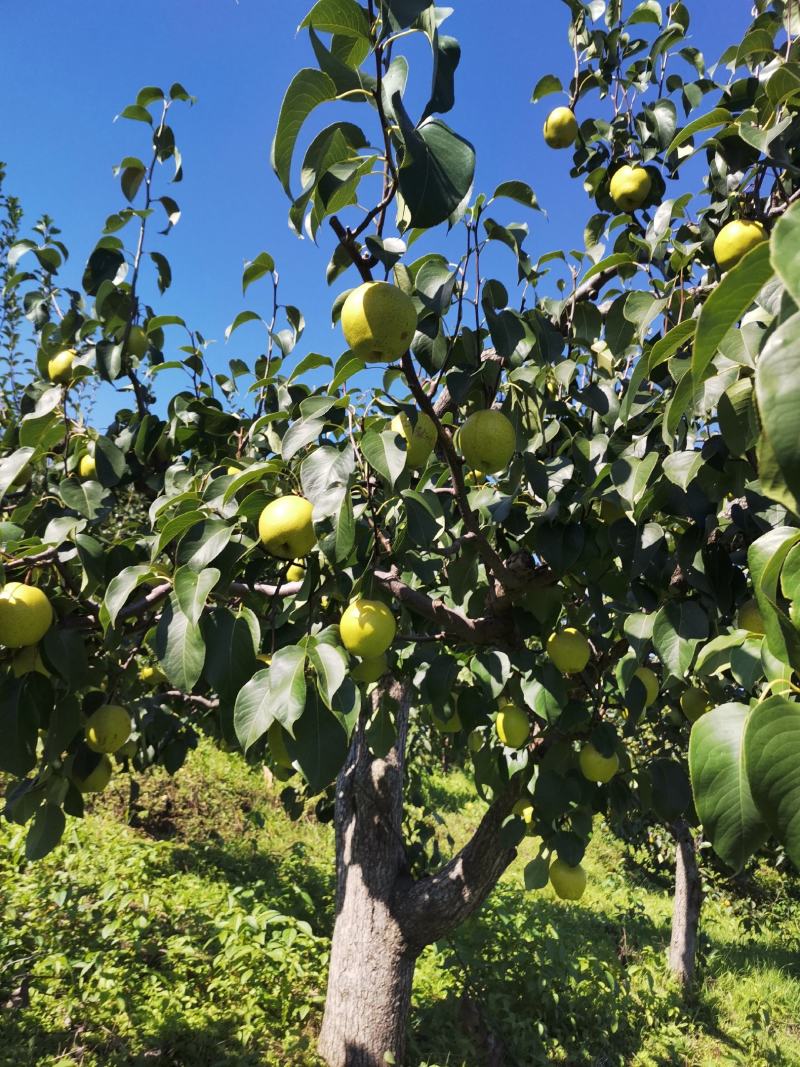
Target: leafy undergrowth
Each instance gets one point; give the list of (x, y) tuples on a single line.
[(198, 936)]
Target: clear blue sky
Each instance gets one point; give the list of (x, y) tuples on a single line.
[(68, 69)]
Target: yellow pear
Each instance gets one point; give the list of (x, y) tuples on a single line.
[(595, 767), (560, 128), (694, 703), (367, 628), (735, 240), (378, 321), (370, 670), (25, 615), (87, 468), (568, 882), (630, 187), (650, 683), (97, 779), (513, 726), (108, 728), (59, 368), (750, 618), (296, 573), (569, 650), (487, 441), (447, 726), (285, 527), (152, 675), (420, 438)]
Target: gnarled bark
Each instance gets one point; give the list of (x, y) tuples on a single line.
[(686, 906), (383, 917)]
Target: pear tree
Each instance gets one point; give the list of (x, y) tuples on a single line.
[(495, 509)]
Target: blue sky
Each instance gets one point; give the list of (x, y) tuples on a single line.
[(70, 68)]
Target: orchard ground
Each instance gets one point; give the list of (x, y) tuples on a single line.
[(198, 934)]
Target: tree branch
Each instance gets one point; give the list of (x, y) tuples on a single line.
[(435, 905)]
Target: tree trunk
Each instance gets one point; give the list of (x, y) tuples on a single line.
[(686, 907), (383, 917)]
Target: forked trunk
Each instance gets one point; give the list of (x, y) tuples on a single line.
[(686, 906), (384, 918)]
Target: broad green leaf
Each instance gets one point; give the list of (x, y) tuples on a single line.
[(254, 711), (344, 17), (255, 269), (727, 303), (772, 755), (436, 170), (45, 832), (325, 476), (12, 466), (319, 744), (778, 395), (547, 84), (785, 249), (179, 646), (119, 590), (308, 89), (192, 588), (382, 452), (678, 629), (287, 680), (718, 117), (670, 343), (720, 786), (230, 652), (331, 665), (110, 462), (765, 558)]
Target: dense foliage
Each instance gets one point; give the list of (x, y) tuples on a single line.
[(567, 512)]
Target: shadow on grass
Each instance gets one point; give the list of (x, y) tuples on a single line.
[(175, 1043), (290, 881), (553, 984)]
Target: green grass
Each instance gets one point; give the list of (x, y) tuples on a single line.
[(199, 936)]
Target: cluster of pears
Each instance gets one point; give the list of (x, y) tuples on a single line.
[(631, 184), (106, 731)]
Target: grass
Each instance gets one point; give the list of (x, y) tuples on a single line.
[(199, 936)]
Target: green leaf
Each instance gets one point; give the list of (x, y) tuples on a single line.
[(343, 17), (308, 89), (785, 249), (778, 395), (86, 498), (772, 755), (668, 345), (718, 117), (521, 192), (230, 652), (436, 170), (287, 681), (301, 433), (383, 454), (319, 744), (536, 873), (547, 84), (119, 590), (331, 665), (13, 465), (254, 711), (192, 588), (46, 831), (678, 629), (110, 460), (179, 646), (255, 269), (727, 303), (325, 477), (721, 790), (765, 558)]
